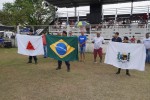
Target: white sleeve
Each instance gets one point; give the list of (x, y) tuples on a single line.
[(142, 40), (103, 40), (94, 39)]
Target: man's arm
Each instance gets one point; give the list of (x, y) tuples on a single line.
[(103, 41), (120, 40), (93, 40), (84, 41)]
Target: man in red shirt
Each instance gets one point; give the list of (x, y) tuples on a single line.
[(44, 45)]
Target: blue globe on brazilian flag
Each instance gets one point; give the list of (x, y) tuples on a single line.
[(62, 48)]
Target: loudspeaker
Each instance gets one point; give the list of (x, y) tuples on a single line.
[(94, 18)]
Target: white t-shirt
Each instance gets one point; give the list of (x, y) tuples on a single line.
[(146, 42), (98, 41)]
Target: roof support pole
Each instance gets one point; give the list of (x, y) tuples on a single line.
[(131, 7), (95, 15), (78, 19), (148, 12), (75, 11)]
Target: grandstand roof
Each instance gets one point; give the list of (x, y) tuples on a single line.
[(76, 3)]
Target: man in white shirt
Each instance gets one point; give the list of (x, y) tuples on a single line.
[(146, 42), (98, 41)]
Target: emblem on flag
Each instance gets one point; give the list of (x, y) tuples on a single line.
[(123, 57), (61, 48), (30, 46)]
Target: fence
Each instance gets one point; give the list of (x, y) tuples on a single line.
[(106, 30)]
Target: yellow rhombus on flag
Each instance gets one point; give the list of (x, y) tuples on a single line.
[(68, 50)]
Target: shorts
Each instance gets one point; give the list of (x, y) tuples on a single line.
[(82, 49), (98, 51)]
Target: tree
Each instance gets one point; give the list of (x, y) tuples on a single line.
[(27, 12)]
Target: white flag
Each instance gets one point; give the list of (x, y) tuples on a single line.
[(126, 55), (30, 45)]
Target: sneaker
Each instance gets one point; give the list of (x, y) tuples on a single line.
[(100, 61), (68, 70), (29, 62), (128, 74), (80, 60), (118, 73), (35, 62), (95, 62), (58, 68)]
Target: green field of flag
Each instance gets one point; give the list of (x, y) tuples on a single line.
[(62, 48)]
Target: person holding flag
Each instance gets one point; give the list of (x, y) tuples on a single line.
[(30, 46), (62, 48), (66, 62), (116, 38), (125, 40), (30, 57)]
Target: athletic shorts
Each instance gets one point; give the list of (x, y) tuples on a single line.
[(82, 49)]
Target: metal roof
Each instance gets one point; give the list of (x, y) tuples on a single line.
[(76, 3)]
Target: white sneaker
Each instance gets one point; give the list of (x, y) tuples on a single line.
[(95, 62)]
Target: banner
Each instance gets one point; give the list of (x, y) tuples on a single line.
[(30, 45), (62, 48), (126, 55)]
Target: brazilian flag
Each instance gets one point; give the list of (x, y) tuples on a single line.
[(62, 48)]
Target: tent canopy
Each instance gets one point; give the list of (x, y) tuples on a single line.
[(76, 3)]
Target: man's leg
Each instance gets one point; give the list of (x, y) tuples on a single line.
[(118, 72), (83, 57), (95, 55), (35, 59), (100, 52), (59, 65), (45, 53), (127, 72), (30, 59), (148, 56), (81, 53), (80, 56), (68, 65)]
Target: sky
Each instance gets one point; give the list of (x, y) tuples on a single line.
[(4, 1)]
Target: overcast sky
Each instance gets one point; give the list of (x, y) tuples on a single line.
[(4, 1)]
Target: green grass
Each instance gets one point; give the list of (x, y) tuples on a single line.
[(86, 81)]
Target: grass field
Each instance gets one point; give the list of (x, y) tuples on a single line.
[(86, 81)]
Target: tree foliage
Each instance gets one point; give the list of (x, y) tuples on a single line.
[(27, 12)]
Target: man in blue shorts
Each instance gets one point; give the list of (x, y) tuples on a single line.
[(82, 43), (146, 42)]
